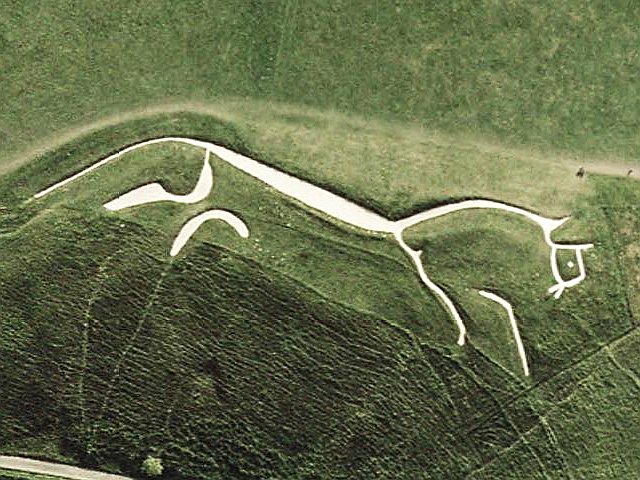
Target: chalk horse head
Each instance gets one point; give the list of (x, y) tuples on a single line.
[(562, 283), (548, 225)]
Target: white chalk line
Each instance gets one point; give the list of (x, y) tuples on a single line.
[(305, 192), (341, 209), (415, 256), (154, 192), (192, 226), (514, 326)]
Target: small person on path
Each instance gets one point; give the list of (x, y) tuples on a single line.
[(629, 173), (580, 172)]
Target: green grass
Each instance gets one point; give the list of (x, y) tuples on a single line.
[(308, 355), (550, 75), (407, 170), (305, 351)]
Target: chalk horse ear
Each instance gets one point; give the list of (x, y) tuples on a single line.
[(559, 222)]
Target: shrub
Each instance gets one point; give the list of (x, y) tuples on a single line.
[(152, 467)]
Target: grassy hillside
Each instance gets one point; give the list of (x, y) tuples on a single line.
[(308, 351), (305, 351), (557, 74)]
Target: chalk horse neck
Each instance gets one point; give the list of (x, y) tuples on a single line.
[(367, 221), (319, 200)]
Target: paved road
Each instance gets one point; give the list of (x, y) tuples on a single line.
[(55, 469)]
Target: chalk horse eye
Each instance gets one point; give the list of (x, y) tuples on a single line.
[(572, 266)]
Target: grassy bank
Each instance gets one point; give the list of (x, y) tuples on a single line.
[(548, 74), (306, 351)]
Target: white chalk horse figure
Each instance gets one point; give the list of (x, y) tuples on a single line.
[(341, 209)]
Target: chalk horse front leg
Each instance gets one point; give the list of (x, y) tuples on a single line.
[(415, 255)]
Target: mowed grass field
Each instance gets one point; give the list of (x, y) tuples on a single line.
[(308, 351)]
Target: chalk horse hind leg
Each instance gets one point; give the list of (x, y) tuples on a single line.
[(415, 255)]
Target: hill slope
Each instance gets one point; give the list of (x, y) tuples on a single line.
[(560, 74), (306, 351)]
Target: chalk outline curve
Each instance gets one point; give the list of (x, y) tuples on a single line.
[(154, 192), (351, 213), (514, 326), (191, 227)]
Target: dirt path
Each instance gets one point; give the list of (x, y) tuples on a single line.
[(62, 137), (55, 469), (613, 169), (239, 110)]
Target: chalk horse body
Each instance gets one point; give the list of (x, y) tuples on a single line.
[(329, 204)]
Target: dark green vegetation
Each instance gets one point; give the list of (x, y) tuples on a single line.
[(305, 351), (314, 353)]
